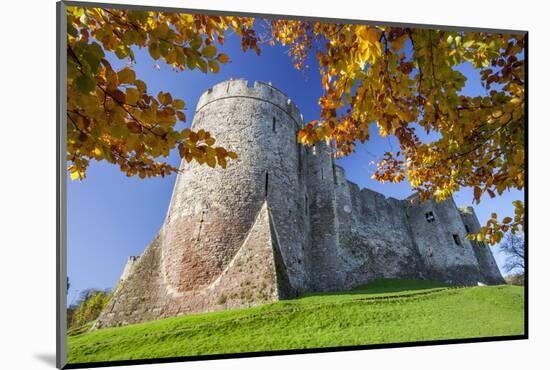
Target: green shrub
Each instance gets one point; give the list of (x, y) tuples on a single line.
[(90, 305)]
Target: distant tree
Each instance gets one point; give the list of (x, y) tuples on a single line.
[(513, 247), (90, 304), (515, 279)]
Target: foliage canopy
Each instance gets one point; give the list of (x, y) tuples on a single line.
[(404, 80)]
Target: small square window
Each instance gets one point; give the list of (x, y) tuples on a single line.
[(430, 216)]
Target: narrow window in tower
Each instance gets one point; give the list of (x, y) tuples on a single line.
[(467, 228), (322, 174), (200, 226), (266, 182), (306, 206), (456, 239), (299, 150), (274, 128)]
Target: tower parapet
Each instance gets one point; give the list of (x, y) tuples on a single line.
[(128, 268), (259, 90)]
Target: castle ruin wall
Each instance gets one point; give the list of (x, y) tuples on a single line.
[(374, 237)]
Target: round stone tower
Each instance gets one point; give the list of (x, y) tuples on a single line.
[(212, 210)]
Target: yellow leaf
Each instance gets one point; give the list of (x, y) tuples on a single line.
[(154, 50), (126, 76), (132, 96), (399, 43), (223, 58), (214, 66), (185, 133), (370, 34), (210, 160), (181, 116), (209, 51), (75, 176), (164, 98), (222, 162), (505, 118), (202, 65), (477, 193), (178, 104), (141, 86)]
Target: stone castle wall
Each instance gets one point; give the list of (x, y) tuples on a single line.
[(375, 238), (446, 252), (129, 267), (281, 220), (487, 265)]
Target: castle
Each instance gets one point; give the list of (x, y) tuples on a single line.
[(282, 220)]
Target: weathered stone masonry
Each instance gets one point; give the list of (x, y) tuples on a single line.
[(282, 220)]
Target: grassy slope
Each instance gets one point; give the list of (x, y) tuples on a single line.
[(380, 312)]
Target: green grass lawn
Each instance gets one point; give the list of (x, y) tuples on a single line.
[(389, 311)]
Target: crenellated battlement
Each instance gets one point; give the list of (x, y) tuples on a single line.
[(241, 88)]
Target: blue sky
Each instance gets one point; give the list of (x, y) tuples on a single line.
[(111, 216)]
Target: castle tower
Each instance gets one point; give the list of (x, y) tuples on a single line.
[(212, 210), (487, 264), (322, 256), (232, 237), (440, 231)]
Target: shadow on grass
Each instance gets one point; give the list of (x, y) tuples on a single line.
[(386, 286)]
